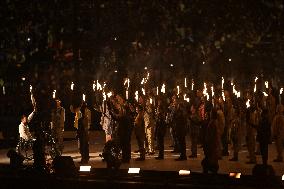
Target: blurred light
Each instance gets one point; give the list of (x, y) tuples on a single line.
[(54, 94), (72, 86), (115, 38), (230, 59), (265, 94), (203, 62), (115, 71), (281, 90), (282, 177), (184, 172), (23, 78), (4, 91), (145, 68), (248, 103), (85, 168), (84, 97), (235, 175), (29, 39), (171, 65), (133, 170)]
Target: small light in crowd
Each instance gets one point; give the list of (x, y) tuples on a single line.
[(265, 94), (248, 103), (29, 39), (184, 172), (84, 97), (203, 62), (185, 98), (185, 83), (85, 168), (136, 96), (143, 91), (54, 94), (72, 86), (230, 59), (109, 94), (94, 86), (157, 91), (223, 81), (281, 90), (171, 65), (4, 91), (31, 88), (266, 84), (192, 84), (115, 71), (145, 68), (23, 79), (151, 101), (115, 38), (134, 170), (177, 90), (163, 89), (283, 177)]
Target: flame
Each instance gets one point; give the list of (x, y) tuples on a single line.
[(265, 94), (163, 89), (185, 83), (84, 97), (248, 103), (205, 91), (266, 84), (136, 96), (223, 81), (31, 88), (109, 94), (185, 98), (192, 84), (281, 91), (54, 94), (177, 90), (143, 91)]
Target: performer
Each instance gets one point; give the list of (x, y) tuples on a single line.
[(210, 147), (24, 130), (139, 128), (195, 121), (82, 124), (57, 125), (106, 120), (236, 134), (278, 132), (149, 126), (160, 128)]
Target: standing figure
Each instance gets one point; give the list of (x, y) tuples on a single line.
[(149, 126), (124, 128), (263, 135), (210, 147), (194, 131), (180, 126), (160, 128), (139, 129), (57, 125), (252, 124), (278, 132), (171, 122), (228, 112), (106, 120), (82, 124), (236, 134)]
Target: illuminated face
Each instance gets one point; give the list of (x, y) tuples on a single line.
[(24, 120), (58, 103)]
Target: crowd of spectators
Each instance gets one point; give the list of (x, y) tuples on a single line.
[(55, 42)]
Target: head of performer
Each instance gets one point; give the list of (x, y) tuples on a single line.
[(24, 119), (58, 103)]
